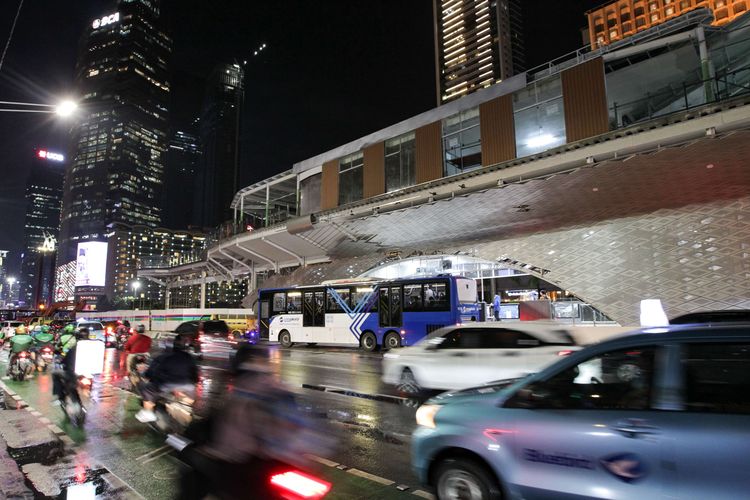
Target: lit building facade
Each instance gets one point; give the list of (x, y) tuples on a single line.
[(623, 18), (477, 44), (119, 142), (219, 133), (134, 247), (44, 188)]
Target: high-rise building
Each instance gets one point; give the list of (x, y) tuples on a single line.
[(119, 141), (219, 131), (133, 247), (477, 43), (184, 162), (620, 19), (44, 188), (6, 288)]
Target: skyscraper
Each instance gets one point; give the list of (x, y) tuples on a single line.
[(44, 188), (477, 43), (184, 162), (219, 131), (120, 138)]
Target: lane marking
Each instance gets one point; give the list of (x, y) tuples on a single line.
[(321, 460), (310, 365), (157, 450), (371, 477), (167, 452), (423, 494)]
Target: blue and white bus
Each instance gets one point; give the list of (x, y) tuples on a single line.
[(366, 313)]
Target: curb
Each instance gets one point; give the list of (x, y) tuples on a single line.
[(372, 477)]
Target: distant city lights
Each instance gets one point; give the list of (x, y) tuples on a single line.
[(49, 155)]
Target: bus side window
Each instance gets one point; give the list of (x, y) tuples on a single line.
[(413, 297), (279, 302), (436, 296), (294, 302)]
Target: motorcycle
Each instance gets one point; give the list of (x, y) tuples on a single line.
[(122, 338), (72, 401), (277, 480), (174, 411), (44, 358), (137, 367), (21, 366)]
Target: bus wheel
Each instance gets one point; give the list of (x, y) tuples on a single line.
[(368, 342), (285, 339), (392, 340)]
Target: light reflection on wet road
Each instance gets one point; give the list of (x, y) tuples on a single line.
[(372, 435)]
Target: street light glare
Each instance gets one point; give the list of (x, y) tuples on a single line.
[(66, 108)]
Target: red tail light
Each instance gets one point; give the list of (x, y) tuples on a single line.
[(566, 352), (46, 350), (300, 484), (109, 329), (23, 354)]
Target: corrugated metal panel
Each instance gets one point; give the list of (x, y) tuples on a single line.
[(497, 129), (374, 170), (428, 157), (585, 100), (329, 186)]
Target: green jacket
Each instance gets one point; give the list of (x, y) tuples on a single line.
[(20, 343), (43, 339), (67, 341)]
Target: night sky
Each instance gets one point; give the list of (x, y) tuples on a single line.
[(333, 70)]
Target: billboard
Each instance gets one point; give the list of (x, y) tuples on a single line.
[(91, 263)]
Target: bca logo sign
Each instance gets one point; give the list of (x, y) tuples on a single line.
[(104, 21)]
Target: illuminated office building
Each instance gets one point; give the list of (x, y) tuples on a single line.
[(477, 43), (42, 226), (119, 141), (620, 19), (184, 162)]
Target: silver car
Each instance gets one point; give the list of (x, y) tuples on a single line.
[(660, 413)]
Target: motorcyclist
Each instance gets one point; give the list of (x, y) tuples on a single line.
[(20, 342), (248, 438), (42, 338), (65, 378), (67, 339), (138, 343), (168, 371)]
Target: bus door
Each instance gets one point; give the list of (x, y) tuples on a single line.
[(390, 307), (313, 313), (264, 310)]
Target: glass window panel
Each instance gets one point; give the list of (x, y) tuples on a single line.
[(412, 297), (309, 196), (279, 302), (399, 162), (717, 378), (350, 178), (294, 302)]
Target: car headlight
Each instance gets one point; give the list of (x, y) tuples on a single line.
[(426, 415)]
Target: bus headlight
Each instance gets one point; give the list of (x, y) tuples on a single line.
[(426, 415)]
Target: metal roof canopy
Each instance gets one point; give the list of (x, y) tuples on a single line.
[(271, 200)]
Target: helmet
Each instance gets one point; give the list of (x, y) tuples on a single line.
[(126, 323), (69, 328), (38, 328), (82, 333), (45, 329), (180, 343), (141, 329)]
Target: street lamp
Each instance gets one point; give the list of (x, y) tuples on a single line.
[(63, 109), (136, 285)]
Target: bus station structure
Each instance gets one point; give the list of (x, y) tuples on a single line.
[(616, 174)]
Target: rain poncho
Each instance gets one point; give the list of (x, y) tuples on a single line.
[(20, 343)]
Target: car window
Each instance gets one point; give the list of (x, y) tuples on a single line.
[(620, 380), (464, 338), (717, 377), (91, 326), (503, 338)]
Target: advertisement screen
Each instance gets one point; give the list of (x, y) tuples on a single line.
[(91, 263)]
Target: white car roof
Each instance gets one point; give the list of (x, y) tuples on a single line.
[(543, 330)]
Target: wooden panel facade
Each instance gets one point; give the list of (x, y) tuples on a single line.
[(374, 170), (497, 130), (585, 100), (329, 185), (428, 154)]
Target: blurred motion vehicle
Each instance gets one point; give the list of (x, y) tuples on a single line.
[(8, 328), (96, 331), (661, 411), (476, 353), (198, 331)]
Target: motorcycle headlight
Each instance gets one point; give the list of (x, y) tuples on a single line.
[(426, 415)]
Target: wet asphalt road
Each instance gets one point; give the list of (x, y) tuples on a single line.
[(372, 435)]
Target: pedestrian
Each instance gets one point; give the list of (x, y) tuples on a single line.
[(496, 306)]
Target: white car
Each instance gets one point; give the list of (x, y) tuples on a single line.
[(96, 330), (473, 354), (8, 328)]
